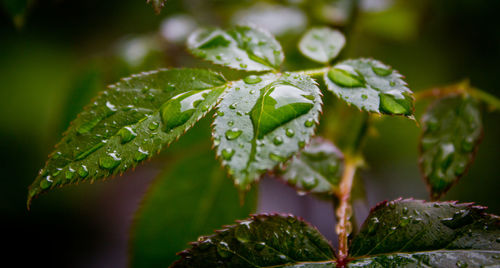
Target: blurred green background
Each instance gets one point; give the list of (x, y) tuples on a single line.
[(56, 54)]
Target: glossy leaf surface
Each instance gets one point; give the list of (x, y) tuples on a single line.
[(412, 233), (264, 120), (242, 47), (192, 197), (371, 86), (452, 130), (158, 5), (321, 44), (315, 169), (128, 123), (260, 241)]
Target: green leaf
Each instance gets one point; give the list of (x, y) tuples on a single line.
[(260, 241), (315, 169), (242, 48), (321, 44), (264, 120), (191, 198), (127, 124), (158, 5), (452, 131), (371, 86), (412, 233)]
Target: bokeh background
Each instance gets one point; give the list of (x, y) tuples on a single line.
[(56, 54)]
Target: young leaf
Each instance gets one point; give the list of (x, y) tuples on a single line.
[(321, 44), (242, 48), (157, 5), (452, 130), (260, 241), (262, 121), (316, 169), (414, 233), (128, 123), (192, 195), (371, 86)]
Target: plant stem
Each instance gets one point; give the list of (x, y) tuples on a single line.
[(344, 210)]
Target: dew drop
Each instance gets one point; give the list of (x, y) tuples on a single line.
[(70, 173), (233, 133), (140, 155), (243, 65), (404, 221), (46, 183), (220, 113), (227, 153), (467, 144), (252, 79), (278, 140), (153, 125), (223, 250), (276, 157), (109, 161), (181, 108), (126, 134), (302, 143), (260, 246), (309, 123), (346, 76), (289, 132), (232, 106), (392, 104), (381, 71), (230, 123), (83, 171)]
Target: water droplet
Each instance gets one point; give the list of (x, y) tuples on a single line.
[(308, 183), (232, 106), (392, 83), (252, 79), (346, 76), (382, 71), (394, 104), (140, 155), (46, 183), (364, 96), (83, 172), (302, 144), (220, 113), (446, 155), (227, 154), (276, 157), (216, 141), (88, 125), (242, 233), (243, 65), (405, 210), (153, 125), (309, 123), (181, 108), (460, 168), (278, 140), (467, 144), (70, 173), (230, 123), (252, 91), (404, 221), (287, 101), (126, 134), (373, 225), (109, 161), (289, 132), (461, 264), (233, 133), (223, 250), (260, 246)]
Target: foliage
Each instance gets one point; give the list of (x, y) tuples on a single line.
[(264, 123)]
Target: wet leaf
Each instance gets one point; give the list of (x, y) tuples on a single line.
[(128, 123), (371, 86), (158, 5), (452, 130), (242, 48), (321, 44), (315, 169), (413, 233), (264, 120), (192, 197), (261, 241)]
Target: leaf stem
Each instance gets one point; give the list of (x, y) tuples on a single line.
[(344, 209)]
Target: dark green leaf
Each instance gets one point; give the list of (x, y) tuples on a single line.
[(264, 120), (157, 4), (371, 86), (412, 233), (452, 130), (128, 123), (261, 241), (242, 47), (191, 198), (315, 169), (322, 44)]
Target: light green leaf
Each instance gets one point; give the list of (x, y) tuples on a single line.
[(158, 5), (321, 44), (242, 48), (261, 241), (264, 120), (371, 86), (127, 123), (315, 169), (191, 198), (412, 233), (452, 130)]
